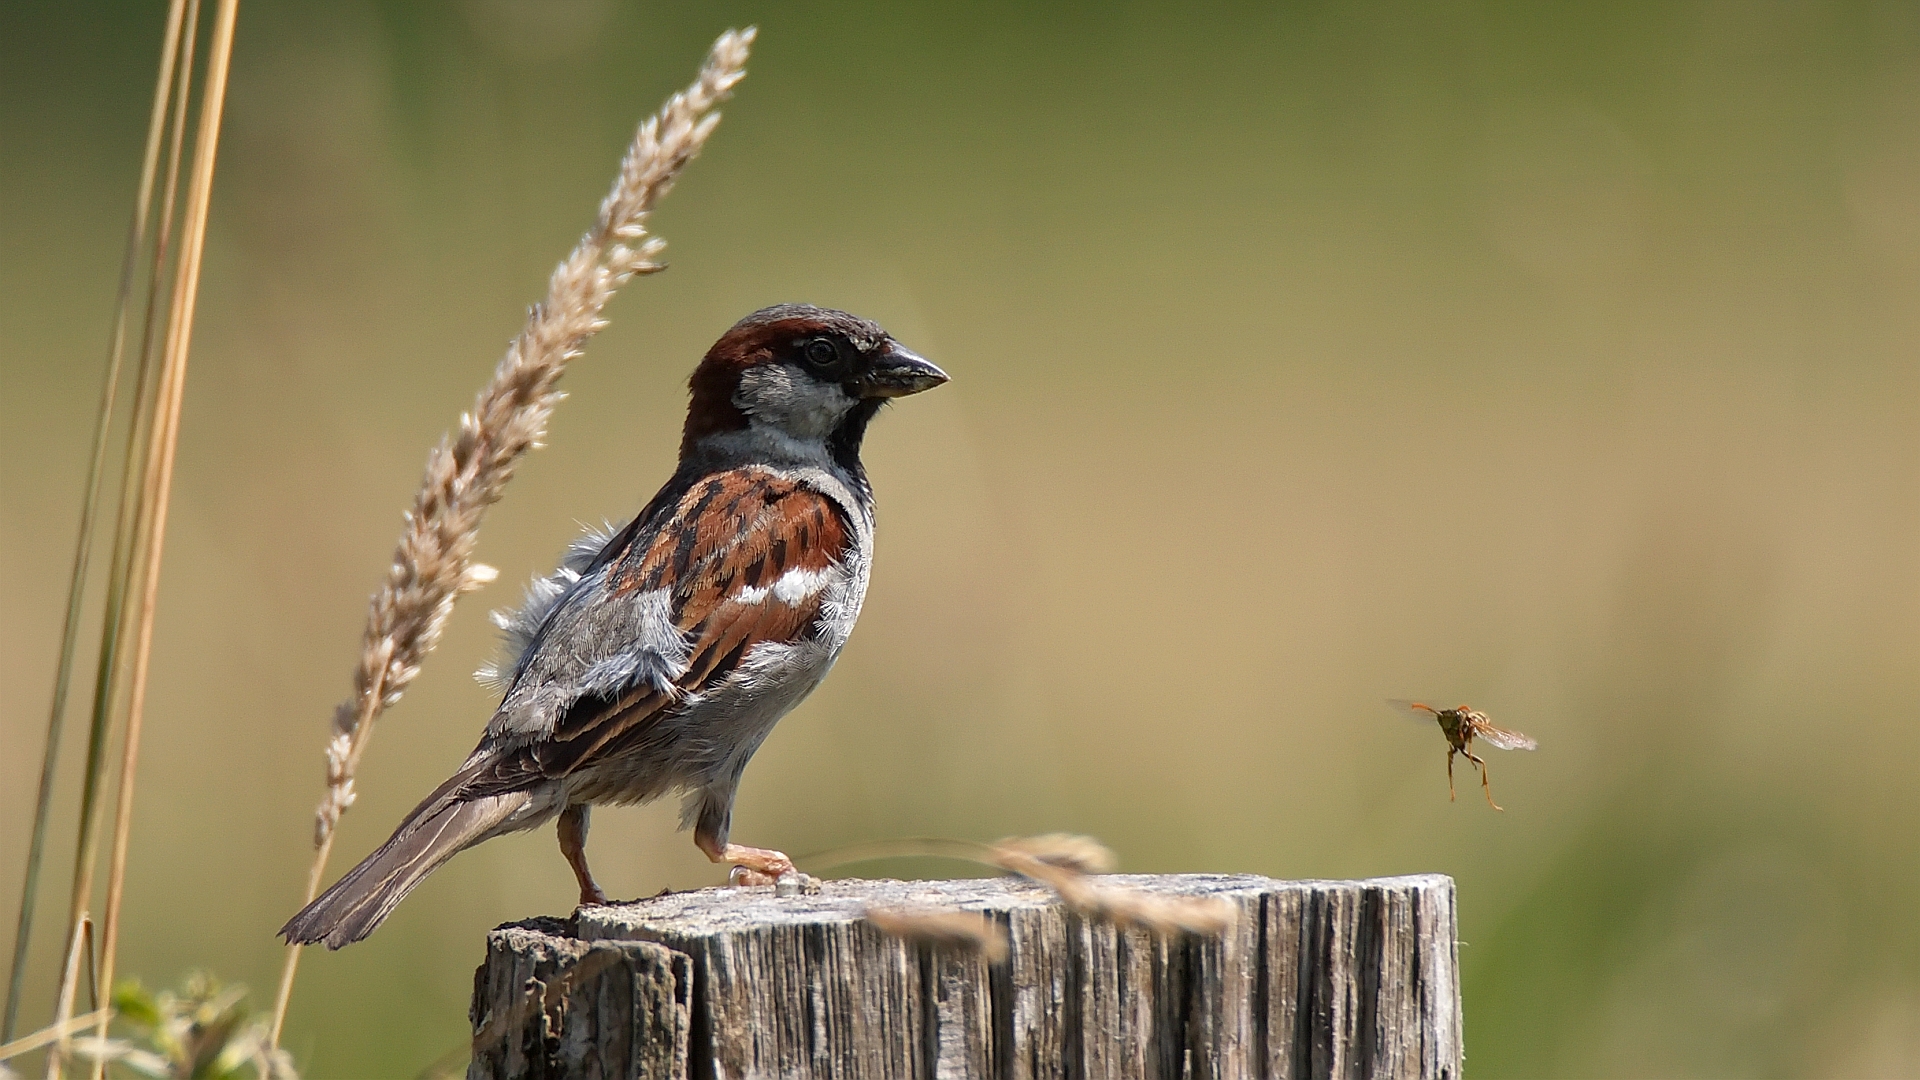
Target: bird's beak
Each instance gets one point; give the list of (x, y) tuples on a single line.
[(897, 372)]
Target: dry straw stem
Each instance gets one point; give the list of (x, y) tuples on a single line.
[(968, 931), (1069, 851), (133, 528), (63, 1009), (137, 529), (157, 484), (1063, 862), (52, 1033), (83, 546), (467, 472), (1052, 867), (1082, 853)]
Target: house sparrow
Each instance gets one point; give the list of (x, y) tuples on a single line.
[(658, 660)]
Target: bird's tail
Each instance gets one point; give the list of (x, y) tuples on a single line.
[(359, 902)]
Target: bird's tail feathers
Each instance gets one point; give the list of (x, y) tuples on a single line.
[(359, 902)]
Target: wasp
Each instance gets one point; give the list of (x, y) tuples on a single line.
[(1461, 725)]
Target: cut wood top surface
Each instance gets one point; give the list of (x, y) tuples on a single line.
[(1315, 978), (719, 910)]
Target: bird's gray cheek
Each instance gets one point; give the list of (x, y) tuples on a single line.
[(796, 404), (767, 393)]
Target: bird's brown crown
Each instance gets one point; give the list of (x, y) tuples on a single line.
[(771, 335)]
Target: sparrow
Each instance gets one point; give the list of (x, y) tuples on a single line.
[(656, 660), (1461, 725)]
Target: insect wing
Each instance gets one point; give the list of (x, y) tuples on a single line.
[(1417, 710), (1504, 739)]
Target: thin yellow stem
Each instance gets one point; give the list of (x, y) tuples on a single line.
[(284, 996), (83, 547), (164, 440), (127, 526), (362, 733), (906, 847), (69, 979), (50, 1033)]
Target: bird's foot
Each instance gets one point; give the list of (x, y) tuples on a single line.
[(592, 895), (767, 865), (746, 875), (791, 883), (761, 866)]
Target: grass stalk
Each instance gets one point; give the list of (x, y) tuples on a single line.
[(50, 1033), (134, 522), (129, 532), (157, 485), (964, 931), (467, 472), (89, 505), (1066, 863), (69, 981), (323, 848), (131, 527), (1082, 853)]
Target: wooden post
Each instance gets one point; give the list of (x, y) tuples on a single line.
[(1317, 979)]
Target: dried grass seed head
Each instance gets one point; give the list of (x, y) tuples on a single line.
[(1156, 913), (1067, 850), (969, 931), (468, 470)]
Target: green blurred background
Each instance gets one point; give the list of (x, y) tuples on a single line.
[(1559, 359)]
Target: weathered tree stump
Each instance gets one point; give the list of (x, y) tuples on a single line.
[(1317, 979)]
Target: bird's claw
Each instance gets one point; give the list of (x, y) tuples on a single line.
[(746, 875), (790, 883), (754, 866)]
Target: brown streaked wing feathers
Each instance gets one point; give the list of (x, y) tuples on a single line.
[(736, 530)]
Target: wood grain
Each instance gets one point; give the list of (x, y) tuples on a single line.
[(1316, 979)]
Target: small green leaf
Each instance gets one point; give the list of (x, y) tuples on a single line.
[(135, 1005)]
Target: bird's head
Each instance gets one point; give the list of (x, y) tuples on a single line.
[(797, 379)]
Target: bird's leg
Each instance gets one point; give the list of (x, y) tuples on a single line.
[(751, 865), (1484, 785), (573, 844), (1450, 753)]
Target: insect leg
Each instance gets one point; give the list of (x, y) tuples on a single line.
[(1484, 784)]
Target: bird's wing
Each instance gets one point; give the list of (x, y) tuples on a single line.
[(742, 558)]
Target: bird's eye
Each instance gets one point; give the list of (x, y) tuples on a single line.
[(820, 352)]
